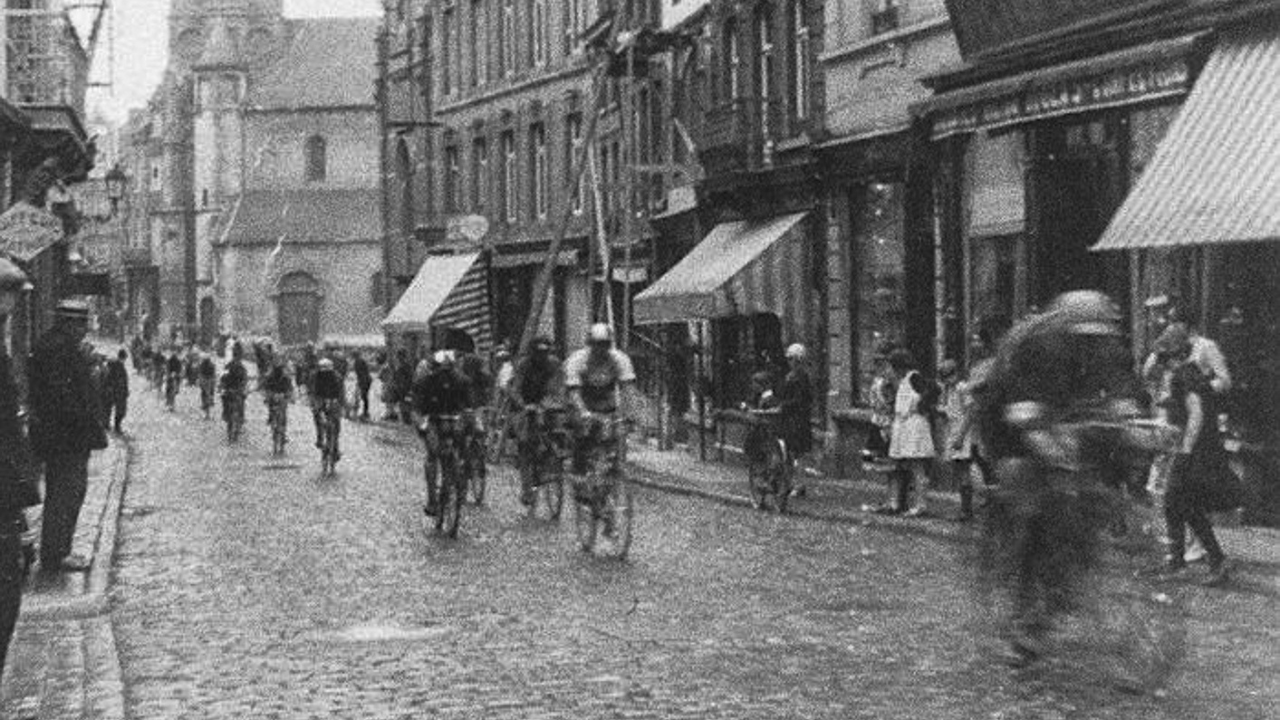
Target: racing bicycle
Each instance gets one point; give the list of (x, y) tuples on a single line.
[(233, 413), (768, 463), (603, 502), (329, 417), (544, 447), (445, 471), (278, 421)]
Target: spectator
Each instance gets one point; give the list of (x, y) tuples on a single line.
[(364, 381), (911, 438), (116, 391)]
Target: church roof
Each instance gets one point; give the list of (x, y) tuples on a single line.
[(220, 51), (305, 216), (329, 62)]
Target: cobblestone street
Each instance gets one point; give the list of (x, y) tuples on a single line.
[(247, 587)]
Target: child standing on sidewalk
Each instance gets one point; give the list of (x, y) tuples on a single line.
[(911, 441)]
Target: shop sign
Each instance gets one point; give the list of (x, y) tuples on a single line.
[(1074, 95)]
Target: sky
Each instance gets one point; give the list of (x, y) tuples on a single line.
[(141, 47)]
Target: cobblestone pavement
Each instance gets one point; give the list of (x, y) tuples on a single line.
[(252, 588)]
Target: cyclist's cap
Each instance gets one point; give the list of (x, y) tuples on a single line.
[(443, 357), (325, 364), (600, 333), (543, 344), (796, 351)]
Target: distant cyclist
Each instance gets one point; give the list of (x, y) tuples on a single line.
[(278, 388), (600, 380), (172, 378), (533, 387), (235, 382), (326, 398), (208, 379)]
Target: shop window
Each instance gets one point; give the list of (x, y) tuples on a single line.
[(744, 345), (879, 245), (997, 281)]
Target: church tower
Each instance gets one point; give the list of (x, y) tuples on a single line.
[(256, 24)]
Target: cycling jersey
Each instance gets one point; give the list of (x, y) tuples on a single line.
[(235, 378), (327, 385), (597, 377)]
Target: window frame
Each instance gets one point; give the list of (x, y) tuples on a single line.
[(539, 172)]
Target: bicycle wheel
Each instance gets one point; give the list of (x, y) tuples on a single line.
[(585, 518), (478, 473), (618, 513), (552, 492), (758, 485)]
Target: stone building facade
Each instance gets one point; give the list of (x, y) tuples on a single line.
[(266, 222)]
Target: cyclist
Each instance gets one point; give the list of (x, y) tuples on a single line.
[(442, 390), (235, 382), (536, 374), (478, 378), (326, 398), (278, 388), (208, 378), (172, 378), (598, 379)]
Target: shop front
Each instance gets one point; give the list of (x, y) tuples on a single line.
[(1030, 168), (446, 305)]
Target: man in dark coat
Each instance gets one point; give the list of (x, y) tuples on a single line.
[(115, 391), (65, 429), (16, 492), (795, 399)]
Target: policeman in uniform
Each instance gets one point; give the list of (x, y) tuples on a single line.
[(65, 428)]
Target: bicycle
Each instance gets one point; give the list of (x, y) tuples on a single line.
[(206, 396), (603, 501), (544, 447), (445, 475), (474, 455), (172, 382), (768, 463), (328, 413), (233, 414), (278, 420)]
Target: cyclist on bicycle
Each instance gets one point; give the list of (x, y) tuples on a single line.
[(442, 390), (472, 367), (326, 397), (278, 388), (533, 387), (598, 379), (208, 374), (235, 382), (172, 377)]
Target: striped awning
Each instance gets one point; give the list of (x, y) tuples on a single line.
[(739, 268), (1215, 177), (449, 291)]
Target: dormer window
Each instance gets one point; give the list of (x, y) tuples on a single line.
[(316, 159)]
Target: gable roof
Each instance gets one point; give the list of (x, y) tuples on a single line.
[(330, 62), (306, 216)]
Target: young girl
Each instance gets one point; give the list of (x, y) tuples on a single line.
[(911, 440)]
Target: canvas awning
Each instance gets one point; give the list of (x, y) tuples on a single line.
[(739, 268), (448, 291), (1215, 177)]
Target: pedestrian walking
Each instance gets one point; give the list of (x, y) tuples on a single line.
[(911, 438), (364, 381), (1200, 480), (795, 401), (116, 391), (65, 428), (17, 491)]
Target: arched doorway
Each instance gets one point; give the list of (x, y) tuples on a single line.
[(298, 308), (208, 322)]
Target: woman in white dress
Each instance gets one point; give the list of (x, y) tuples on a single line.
[(911, 441)]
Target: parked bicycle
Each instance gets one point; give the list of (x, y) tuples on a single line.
[(444, 470), (603, 500), (544, 448), (768, 463)]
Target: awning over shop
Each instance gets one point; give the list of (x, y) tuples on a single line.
[(1215, 177), (449, 291), (739, 268)]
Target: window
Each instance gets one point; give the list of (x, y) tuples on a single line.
[(204, 198), (452, 178), (799, 61), (884, 16), (479, 173), (507, 38), (446, 51), (317, 162), (574, 132), (732, 59), (509, 176), (541, 30), (476, 43), (539, 173), (530, 40), (377, 290), (764, 65)]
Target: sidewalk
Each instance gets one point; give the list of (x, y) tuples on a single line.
[(1254, 550), (62, 662)]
